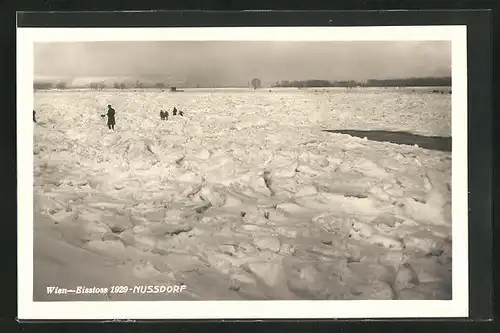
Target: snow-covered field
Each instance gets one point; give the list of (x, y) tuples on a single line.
[(245, 197)]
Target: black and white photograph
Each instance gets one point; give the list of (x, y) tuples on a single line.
[(294, 172)]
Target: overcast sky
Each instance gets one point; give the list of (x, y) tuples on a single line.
[(239, 62)]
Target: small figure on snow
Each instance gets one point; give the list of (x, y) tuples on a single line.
[(162, 115), (174, 111), (34, 116), (166, 115), (181, 113), (111, 118)]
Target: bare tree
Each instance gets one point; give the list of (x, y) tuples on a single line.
[(61, 85), (256, 83), (160, 85)]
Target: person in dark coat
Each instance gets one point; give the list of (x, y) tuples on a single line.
[(162, 115), (111, 118), (34, 116), (174, 111), (166, 115), (181, 113)]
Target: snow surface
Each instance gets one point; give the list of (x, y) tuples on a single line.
[(245, 197)]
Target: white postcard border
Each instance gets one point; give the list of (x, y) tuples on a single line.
[(457, 307)]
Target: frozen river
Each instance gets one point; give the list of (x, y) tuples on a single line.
[(245, 197)]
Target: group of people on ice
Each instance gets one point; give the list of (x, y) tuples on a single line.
[(164, 114), (112, 121)]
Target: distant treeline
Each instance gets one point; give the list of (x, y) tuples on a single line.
[(99, 85), (48, 85), (408, 82)]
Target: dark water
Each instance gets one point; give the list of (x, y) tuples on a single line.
[(427, 142)]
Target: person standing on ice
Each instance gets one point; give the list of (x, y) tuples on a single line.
[(162, 115), (174, 111), (111, 118), (165, 115), (34, 116)]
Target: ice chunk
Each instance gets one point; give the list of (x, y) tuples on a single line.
[(377, 290), (267, 243), (306, 190), (386, 242), (211, 195), (292, 208), (370, 168), (272, 272), (155, 216), (117, 223), (94, 230), (363, 230), (106, 246), (64, 216), (406, 277), (144, 243), (146, 270), (422, 244)]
